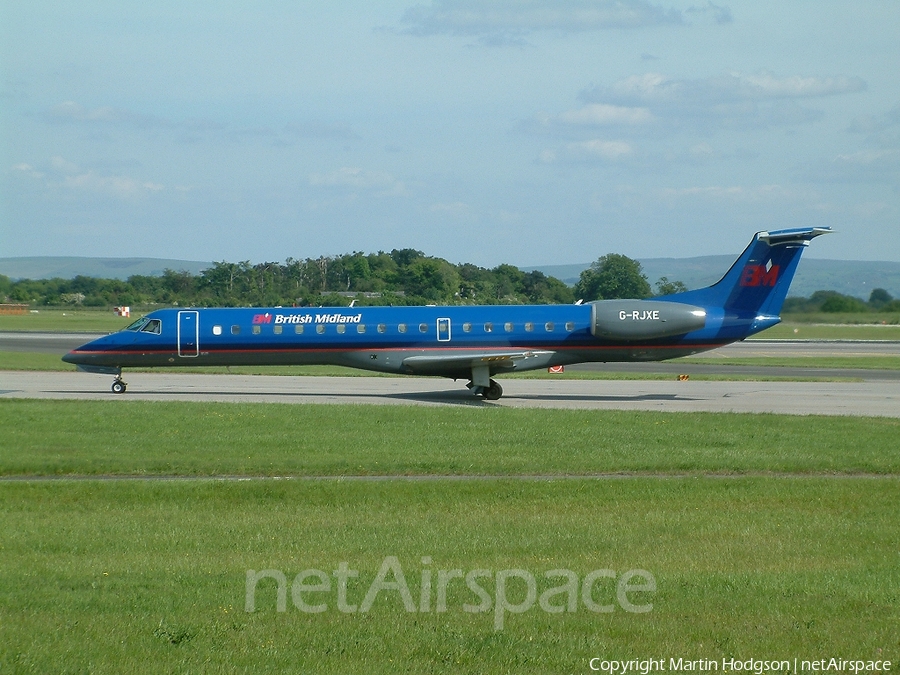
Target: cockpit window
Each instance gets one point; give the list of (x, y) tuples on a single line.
[(137, 324), (153, 326)]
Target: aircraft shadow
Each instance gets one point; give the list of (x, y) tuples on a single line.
[(606, 399), (450, 397)]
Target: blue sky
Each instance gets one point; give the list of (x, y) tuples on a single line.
[(511, 131)]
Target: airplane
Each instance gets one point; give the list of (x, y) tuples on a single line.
[(473, 342)]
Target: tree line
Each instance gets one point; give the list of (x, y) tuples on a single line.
[(833, 302), (400, 277)]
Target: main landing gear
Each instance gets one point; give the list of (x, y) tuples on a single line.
[(489, 393), (119, 386)]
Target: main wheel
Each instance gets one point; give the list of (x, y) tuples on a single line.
[(493, 392), (118, 387)]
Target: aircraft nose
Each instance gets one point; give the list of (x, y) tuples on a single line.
[(73, 357), (80, 355)]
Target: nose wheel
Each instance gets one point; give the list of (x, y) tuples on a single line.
[(119, 386)]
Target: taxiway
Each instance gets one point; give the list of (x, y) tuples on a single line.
[(881, 399)]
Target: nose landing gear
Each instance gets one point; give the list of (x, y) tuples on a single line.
[(119, 386)]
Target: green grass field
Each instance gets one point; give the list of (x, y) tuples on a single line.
[(207, 439), (881, 362), (792, 329), (151, 577), (52, 319), (767, 537)]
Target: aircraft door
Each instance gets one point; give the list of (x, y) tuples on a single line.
[(443, 330), (188, 333)]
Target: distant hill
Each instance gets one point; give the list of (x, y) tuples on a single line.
[(851, 277), (103, 268)]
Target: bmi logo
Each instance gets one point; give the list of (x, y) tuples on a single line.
[(262, 318), (759, 275)]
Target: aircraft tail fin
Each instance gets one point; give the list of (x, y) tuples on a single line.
[(758, 281)]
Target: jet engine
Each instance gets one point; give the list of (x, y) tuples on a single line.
[(644, 319)]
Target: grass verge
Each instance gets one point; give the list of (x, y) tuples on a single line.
[(837, 362), (798, 327), (44, 437)]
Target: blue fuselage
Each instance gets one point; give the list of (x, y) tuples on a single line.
[(377, 338)]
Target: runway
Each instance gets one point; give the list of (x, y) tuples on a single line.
[(878, 399)]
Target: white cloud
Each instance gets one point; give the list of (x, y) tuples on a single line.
[(877, 158), (454, 208), (592, 150), (72, 112), (28, 170), (63, 165), (728, 100), (477, 17), (605, 114), (604, 149), (107, 117), (766, 85), (359, 179), (119, 186), (716, 13), (651, 88), (738, 193), (61, 173)]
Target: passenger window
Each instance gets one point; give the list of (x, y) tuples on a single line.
[(570, 326), (382, 328), (342, 328), (508, 327), (298, 328), (217, 330), (423, 327), (277, 329), (488, 327), (401, 327), (320, 328), (153, 326), (360, 328), (529, 326), (235, 330), (257, 330), (548, 326), (467, 327)]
